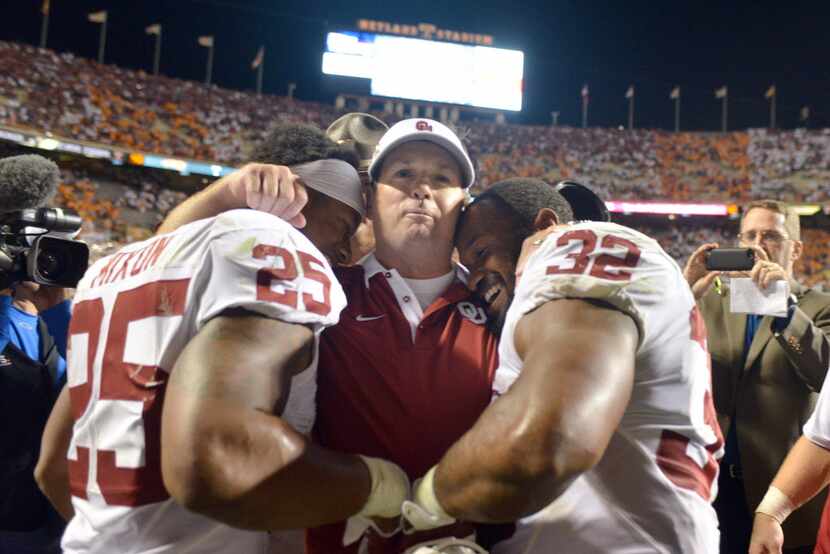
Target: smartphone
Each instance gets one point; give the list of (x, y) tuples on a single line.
[(730, 259)]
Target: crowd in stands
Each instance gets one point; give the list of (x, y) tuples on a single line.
[(78, 98), (116, 212)]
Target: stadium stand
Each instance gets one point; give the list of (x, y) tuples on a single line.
[(75, 97)]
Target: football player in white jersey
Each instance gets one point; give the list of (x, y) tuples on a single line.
[(602, 435), (190, 386), (804, 473)]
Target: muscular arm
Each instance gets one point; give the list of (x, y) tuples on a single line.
[(52, 471), (264, 187), (555, 421), (804, 473), (226, 454)]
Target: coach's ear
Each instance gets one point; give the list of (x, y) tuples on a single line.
[(545, 218)]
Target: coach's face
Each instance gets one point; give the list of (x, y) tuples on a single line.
[(418, 195), (489, 245)]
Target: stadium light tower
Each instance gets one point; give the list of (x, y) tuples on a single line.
[(206, 41), (44, 23), (155, 29), (675, 95), (585, 95), (723, 94), (629, 94), (771, 94), (100, 17)]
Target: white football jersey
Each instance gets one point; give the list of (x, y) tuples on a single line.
[(652, 489), (132, 315), (817, 428)]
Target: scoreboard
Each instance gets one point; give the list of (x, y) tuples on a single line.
[(428, 70)]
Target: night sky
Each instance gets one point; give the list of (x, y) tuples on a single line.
[(654, 45)]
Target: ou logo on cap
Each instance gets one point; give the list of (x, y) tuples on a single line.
[(423, 126), (472, 312)]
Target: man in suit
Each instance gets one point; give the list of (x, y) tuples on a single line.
[(766, 373)]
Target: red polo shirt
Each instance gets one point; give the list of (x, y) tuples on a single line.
[(398, 383)]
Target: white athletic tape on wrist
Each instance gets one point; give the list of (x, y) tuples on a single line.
[(424, 511), (390, 487), (776, 505)]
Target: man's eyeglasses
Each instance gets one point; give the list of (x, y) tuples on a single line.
[(767, 237)]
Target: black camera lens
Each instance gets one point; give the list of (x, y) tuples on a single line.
[(56, 262), (50, 263)]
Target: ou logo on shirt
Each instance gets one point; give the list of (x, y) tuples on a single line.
[(472, 312)]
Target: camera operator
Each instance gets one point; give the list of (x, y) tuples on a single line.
[(34, 320), (766, 373), (32, 370)]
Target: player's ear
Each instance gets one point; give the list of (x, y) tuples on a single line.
[(545, 218)]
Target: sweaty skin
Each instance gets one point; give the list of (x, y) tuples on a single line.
[(225, 451), (556, 420)]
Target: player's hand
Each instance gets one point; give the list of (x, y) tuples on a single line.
[(530, 245), (765, 272), (268, 188), (767, 535), (699, 278)]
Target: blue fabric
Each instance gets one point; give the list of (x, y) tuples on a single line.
[(5, 324), (753, 321), (21, 329), (23, 332), (731, 455), (57, 320), (781, 323)]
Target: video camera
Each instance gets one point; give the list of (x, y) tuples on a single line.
[(32, 248)]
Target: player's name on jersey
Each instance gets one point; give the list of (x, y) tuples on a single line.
[(128, 264)]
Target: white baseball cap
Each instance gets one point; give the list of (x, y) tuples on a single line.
[(429, 130)]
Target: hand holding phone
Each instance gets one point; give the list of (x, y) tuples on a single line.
[(730, 259)]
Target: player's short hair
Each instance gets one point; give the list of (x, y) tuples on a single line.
[(524, 197), (297, 143), (792, 222)]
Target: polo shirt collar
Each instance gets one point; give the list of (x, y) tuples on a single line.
[(371, 267)]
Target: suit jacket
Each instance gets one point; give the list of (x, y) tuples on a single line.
[(772, 392)]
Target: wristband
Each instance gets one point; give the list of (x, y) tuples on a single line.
[(425, 511), (390, 487), (776, 505)]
